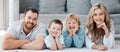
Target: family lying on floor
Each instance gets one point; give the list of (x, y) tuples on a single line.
[(98, 33)]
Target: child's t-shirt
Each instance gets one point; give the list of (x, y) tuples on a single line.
[(48, 40)]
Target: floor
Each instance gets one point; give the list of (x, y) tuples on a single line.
[(115, 49)]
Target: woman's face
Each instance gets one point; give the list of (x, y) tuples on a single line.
[(72, 24), (98, 16)]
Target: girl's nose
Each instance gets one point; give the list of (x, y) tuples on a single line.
[(71, 24)]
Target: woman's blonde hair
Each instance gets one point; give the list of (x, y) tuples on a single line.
[(91, 25), (73, 16)]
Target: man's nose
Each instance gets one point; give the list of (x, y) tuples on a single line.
[(31, 20)]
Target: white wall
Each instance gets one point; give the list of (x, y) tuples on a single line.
[(9, 12), (4, 14), (13, 11)]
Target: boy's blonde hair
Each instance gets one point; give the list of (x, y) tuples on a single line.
[(73, 16)]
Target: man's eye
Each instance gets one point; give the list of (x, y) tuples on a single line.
[(29, 17)]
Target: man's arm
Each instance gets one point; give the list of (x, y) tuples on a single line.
[(36, 44), (11, 43)]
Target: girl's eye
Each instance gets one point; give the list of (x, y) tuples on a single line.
[(69, 23), (74, 22)]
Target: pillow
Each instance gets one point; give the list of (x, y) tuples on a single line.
[(113, 6), (78, 6), (52, 6), (119, 1)]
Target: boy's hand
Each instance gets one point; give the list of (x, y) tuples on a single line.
[(58, 34)]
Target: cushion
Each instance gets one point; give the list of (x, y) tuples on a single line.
[(52, 6), (78, 6), (113, 6), (119, 1)]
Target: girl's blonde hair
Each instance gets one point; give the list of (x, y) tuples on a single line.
[(91, 25), (74, 17)]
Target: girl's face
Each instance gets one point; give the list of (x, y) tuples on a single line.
[(98, 16), (55, 29), (72, 24)]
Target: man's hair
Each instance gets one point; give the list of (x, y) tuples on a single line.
[(34, 10), (56, 21)]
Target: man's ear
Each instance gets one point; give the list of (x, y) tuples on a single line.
[(23, 16)]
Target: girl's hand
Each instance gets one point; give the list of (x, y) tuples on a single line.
[(75, 30), (70, 31)]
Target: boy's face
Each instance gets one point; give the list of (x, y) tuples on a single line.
[(72, 24), (55, 29)]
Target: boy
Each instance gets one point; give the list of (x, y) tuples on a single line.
[(55, 40)]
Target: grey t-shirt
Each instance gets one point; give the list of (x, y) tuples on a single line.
[(16, 30)]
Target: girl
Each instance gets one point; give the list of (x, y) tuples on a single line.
[(73, 34), (99, 28)]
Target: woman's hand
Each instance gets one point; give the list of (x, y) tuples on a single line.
[(104, 27), (102, 48)]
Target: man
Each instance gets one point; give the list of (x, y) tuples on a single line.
[(26, 33)]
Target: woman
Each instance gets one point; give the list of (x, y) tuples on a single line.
[(99, 28)]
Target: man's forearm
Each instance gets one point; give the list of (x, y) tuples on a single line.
[(12, 44), (33, 46), (36, 44)]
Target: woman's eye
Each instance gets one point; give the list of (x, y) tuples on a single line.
[(101, 13), (95, 14)]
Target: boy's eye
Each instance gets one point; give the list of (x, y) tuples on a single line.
[(53, 27), (58, 29)]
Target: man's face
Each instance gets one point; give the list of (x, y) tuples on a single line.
[(30, 20)]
